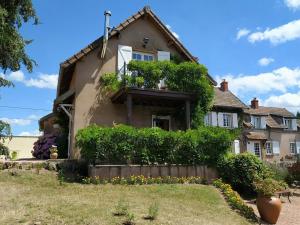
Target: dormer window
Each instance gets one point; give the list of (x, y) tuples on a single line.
[(227, 120), (288, 124), (141, 56)]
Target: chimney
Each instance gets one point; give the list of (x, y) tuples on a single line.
[(254, 103), (107, 15), (224, 85)]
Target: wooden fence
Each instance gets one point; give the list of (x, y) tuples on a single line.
[(111, 171)]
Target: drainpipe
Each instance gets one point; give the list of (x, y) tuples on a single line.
[(107, 15), (67, 108)]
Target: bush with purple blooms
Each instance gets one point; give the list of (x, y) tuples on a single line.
[(41, 148)]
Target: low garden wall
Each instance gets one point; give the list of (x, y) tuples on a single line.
[(111, 171)]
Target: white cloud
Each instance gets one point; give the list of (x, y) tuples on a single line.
[(291, 101), (42, 81), (20, 122), (280, 80), (278, 35), (242, 32), (265, 61), (30, 133), (174, 33), (292, 4)]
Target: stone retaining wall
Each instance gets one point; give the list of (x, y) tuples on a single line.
[(111, 171)]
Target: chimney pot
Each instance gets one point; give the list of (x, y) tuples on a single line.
[(254, 103), (224, 85)]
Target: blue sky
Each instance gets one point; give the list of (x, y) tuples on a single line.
[(255, 45)]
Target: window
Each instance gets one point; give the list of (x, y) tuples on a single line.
[(140, 56), (292, 147), (257, 149), (257, 122), (288, 123), (269, 150), (227, 120), (163, 122), (208, 119)]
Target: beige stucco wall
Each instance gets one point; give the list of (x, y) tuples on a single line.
[(94, 106), (21, 144)]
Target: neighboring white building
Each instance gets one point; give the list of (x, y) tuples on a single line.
[(23, 145)]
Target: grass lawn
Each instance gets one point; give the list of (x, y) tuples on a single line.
[(29, 198)]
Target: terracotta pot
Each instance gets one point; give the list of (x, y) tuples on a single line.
[(53, 155), (269, 208)]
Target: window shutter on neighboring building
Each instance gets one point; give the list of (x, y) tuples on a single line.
[(236, 146), (276, 148), (235, 122), (263, 122), (298, 147), (294, 124), (220, 119), (162, 55), (124, 57), (214, 120)]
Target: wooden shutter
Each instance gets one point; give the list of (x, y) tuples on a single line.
[(220, 119), (263, 122), (275, 147), (298, 147), (236, 146), (252, 120), (235, 123), (214, 120), (124, 57), (294, 124), (162, 56)]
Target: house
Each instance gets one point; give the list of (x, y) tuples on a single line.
[(227, 111), (270, 133), (141, 37)]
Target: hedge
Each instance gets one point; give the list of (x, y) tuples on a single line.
[(121, 144)]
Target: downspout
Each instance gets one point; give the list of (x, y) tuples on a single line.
[(107, 14), (67, 108)]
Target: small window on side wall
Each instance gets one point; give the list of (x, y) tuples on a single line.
[(141, 56), (269, 150), (293, 148)]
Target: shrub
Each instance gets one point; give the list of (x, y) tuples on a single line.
[(121, 143), (14, 155), (280, 173), (268, 187), (152, 211), (121, 208), (41, 148), (241, 170), (235, 200), (294, 173)]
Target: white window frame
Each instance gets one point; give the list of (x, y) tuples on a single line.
[(269, 149), (288, 123), (163, 118), (143, 55), (227, 120), (255, 150), (293, 150)]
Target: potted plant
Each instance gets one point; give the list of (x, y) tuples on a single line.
[(268, 205), (53, 152)]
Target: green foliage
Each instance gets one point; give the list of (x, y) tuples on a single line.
[(153, 211), (141, 180), (121, 143), (184, 77), (294, 173), (268, 187), (5, 131), (235, 200), (121, 209), (280, 173), (129, 220), (14, 155), (12, 48), (241, 170)]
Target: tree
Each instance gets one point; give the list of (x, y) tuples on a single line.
[(13, 13), (298, 115)]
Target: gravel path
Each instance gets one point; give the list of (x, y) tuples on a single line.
[(290, 213)]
